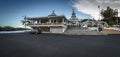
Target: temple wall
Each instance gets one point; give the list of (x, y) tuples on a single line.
[(65, 28), (56, 30)]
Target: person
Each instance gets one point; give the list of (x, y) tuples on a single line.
[(100, 27), (36, 30), (39, 30)]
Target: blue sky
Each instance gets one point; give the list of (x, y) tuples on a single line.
[(11, 11)]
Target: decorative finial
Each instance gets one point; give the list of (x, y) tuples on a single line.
[(73, 9), (53, 11)]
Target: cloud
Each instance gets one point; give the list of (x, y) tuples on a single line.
[(91, 6)]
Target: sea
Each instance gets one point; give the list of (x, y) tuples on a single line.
[(20, 31)]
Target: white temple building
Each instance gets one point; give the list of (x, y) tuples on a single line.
[(51, 23)]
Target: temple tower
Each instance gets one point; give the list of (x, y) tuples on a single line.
[(74, 20)]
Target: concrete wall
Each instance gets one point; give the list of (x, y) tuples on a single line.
[(56, 30), (59, 29), (65, 28)]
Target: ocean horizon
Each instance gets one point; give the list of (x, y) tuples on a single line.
[(19, 31)]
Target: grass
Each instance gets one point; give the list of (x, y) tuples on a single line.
[(109, 31)]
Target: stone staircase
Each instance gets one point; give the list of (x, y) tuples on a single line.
[(81, 31)]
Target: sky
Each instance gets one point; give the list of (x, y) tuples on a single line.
[(12, 11), (91, 6)]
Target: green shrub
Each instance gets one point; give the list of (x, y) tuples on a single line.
[(111, 23), (94, 26), (9, 28), (89, 25)]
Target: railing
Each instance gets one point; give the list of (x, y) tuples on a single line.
[(48, 24)]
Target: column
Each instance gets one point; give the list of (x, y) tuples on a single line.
[(32, 21), (50, 21), (37, 21), (57, 21), (53, 22), (63, 21), (40, 21)]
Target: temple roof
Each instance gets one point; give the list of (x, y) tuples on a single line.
[(48, 17), (52, 14)]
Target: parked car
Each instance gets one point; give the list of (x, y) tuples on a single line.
[(36, 31)]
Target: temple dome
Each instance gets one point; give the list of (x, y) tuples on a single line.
[(52, 14)]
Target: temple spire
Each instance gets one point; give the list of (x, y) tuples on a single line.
[(73, 11), (53, 11), (73, 14)]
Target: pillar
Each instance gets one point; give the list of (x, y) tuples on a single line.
[(50, 21), (40, 21)]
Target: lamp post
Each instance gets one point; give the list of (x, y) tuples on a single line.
[(99, 12)]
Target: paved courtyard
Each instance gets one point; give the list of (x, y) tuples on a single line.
[(59, 45)]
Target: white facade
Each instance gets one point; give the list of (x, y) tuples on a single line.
[(93, 23)]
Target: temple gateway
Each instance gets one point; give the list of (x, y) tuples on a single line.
[(53, 23)]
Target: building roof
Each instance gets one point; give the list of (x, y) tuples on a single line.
[(47, 17), (52, 14)]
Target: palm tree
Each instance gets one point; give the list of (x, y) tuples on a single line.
[(25, 22)]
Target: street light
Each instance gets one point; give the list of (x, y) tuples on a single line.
[(99, 12)]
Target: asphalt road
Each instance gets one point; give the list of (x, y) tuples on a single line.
[(55, 45)]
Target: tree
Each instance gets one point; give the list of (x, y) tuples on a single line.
[(84, 20), (109, 13), (8, 28), (1, 29), (25, 22)]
